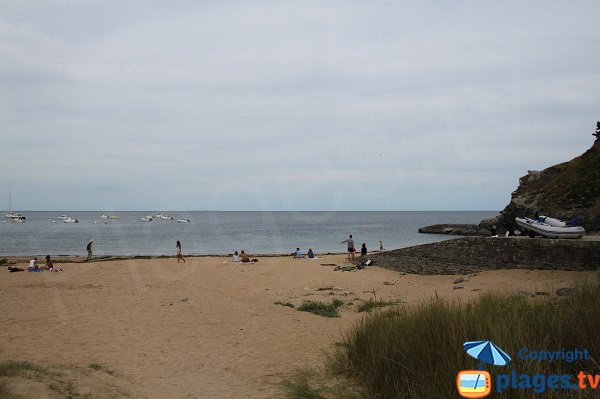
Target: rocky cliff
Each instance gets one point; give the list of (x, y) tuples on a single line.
[(562, 191)]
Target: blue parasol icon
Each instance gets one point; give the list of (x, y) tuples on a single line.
[(487, 353)]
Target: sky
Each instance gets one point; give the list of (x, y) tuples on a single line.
[(290, 105)]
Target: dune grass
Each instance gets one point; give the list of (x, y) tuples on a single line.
[(416, 352), (367, 306), (322, 309)]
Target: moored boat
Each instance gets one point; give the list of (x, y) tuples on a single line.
[(19, 219), (183, 220), (554, 229), (70, 220)]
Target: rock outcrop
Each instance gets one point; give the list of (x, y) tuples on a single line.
[(561, 191), (456, 230)]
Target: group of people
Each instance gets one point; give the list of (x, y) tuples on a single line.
[(352, 249), (242, 257), (298, 254), (34, 267)]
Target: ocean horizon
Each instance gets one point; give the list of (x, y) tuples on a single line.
[(221, 232)]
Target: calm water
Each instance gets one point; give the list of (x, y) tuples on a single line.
[(221, 232)]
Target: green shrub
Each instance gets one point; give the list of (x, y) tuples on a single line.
[(322, 309)]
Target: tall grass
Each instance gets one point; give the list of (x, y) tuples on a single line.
[(416, 352)]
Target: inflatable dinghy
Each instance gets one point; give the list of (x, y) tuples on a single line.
[(550, 227)]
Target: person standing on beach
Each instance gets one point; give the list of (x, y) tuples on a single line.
[(380, 246), (89, 249), (351, 249), (179, 256)]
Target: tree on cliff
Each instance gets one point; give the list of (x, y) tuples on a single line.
[(597, 134)]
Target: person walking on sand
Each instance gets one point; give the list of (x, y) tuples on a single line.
[(89, 249), (179, 256), (351, 249)]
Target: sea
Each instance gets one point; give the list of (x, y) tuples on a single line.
[(219, 233)]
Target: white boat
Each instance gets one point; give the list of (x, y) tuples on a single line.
[(10, 214), (146, 219), (183, 220), (63, 217), (70, 220), (163, 216), (554, 229), (103, 216), (19, 219)]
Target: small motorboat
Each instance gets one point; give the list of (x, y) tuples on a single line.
[(550, 227), (70, 220), (18, 219), (103, 216), (113, 217), (146, 219), (163, 216), (183, 220)]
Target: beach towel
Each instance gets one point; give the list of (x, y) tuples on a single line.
[(34, 270)]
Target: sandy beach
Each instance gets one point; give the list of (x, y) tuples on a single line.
[(208, 328)]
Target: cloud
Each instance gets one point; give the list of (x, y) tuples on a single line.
[(295, 105)]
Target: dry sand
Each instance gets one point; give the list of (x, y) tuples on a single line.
[(204, 329)]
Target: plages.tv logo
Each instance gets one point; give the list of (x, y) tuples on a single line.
[(478, 383)]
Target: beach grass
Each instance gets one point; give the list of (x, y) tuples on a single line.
[(322, 309), (416, 352), (368, 306)]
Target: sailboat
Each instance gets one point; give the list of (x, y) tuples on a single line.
[(10, 214)]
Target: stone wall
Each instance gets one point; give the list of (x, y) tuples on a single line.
[(471, 254)]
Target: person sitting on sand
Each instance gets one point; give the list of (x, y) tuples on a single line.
[(244, 258), (33, 266), (363, 250), (311, 254), (49, 264), (298, 254), (236, 257)]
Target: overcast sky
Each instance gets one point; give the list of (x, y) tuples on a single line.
[(290, 105)]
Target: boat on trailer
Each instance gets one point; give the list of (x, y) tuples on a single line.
[(550, 227)]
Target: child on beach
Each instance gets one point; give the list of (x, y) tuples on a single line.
[(236, 257), (179, 256)]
